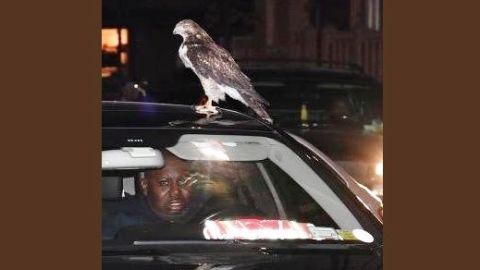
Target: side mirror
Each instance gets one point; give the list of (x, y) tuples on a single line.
[(128, 158)]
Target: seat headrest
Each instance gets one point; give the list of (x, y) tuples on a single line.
[(111, 187)]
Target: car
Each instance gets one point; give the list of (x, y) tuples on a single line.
[(226, 191)]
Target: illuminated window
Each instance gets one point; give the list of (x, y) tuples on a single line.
[(373, 14), (114, 56), (108, 71), (110, 39)]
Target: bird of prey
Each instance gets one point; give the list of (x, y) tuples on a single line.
[(218, 73)]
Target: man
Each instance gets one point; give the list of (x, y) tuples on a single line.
[(168, 191), (165, 197)]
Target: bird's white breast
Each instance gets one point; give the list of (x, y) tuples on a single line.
[(182, 52)]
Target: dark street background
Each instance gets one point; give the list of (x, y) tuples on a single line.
[(329, 33)]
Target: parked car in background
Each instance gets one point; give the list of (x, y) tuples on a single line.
[(250, 195)]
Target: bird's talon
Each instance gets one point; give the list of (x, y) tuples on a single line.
[(206, 110)]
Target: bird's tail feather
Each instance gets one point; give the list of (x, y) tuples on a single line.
[(259, 109)]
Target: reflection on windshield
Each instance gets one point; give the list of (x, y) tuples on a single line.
[(262, 229), (253, 229)]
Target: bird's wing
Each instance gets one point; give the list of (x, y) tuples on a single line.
[(212, 61)]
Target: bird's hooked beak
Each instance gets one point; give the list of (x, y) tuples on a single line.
[(176, 30)]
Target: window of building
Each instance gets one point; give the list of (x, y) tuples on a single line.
[(114, 50), (373, 14)]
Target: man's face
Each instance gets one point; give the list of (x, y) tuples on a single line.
[(168, 189)]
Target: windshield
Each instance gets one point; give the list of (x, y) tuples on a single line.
[(257, 185)]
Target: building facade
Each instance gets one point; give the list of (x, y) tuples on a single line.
[(317, 31)]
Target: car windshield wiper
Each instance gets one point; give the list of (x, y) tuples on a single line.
[(134, 250), (241, 254)]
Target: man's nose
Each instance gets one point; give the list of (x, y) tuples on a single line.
[(174, 190)]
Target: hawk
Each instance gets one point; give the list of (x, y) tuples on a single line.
[(218, 73)]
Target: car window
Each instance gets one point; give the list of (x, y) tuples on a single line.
[(217, 177), (298, 205)]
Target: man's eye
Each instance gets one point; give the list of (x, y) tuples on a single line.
[(163, 182), (182, 182)]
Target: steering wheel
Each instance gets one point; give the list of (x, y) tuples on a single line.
[(237, 211)]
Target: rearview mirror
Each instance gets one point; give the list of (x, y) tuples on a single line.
[(128, 158)]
